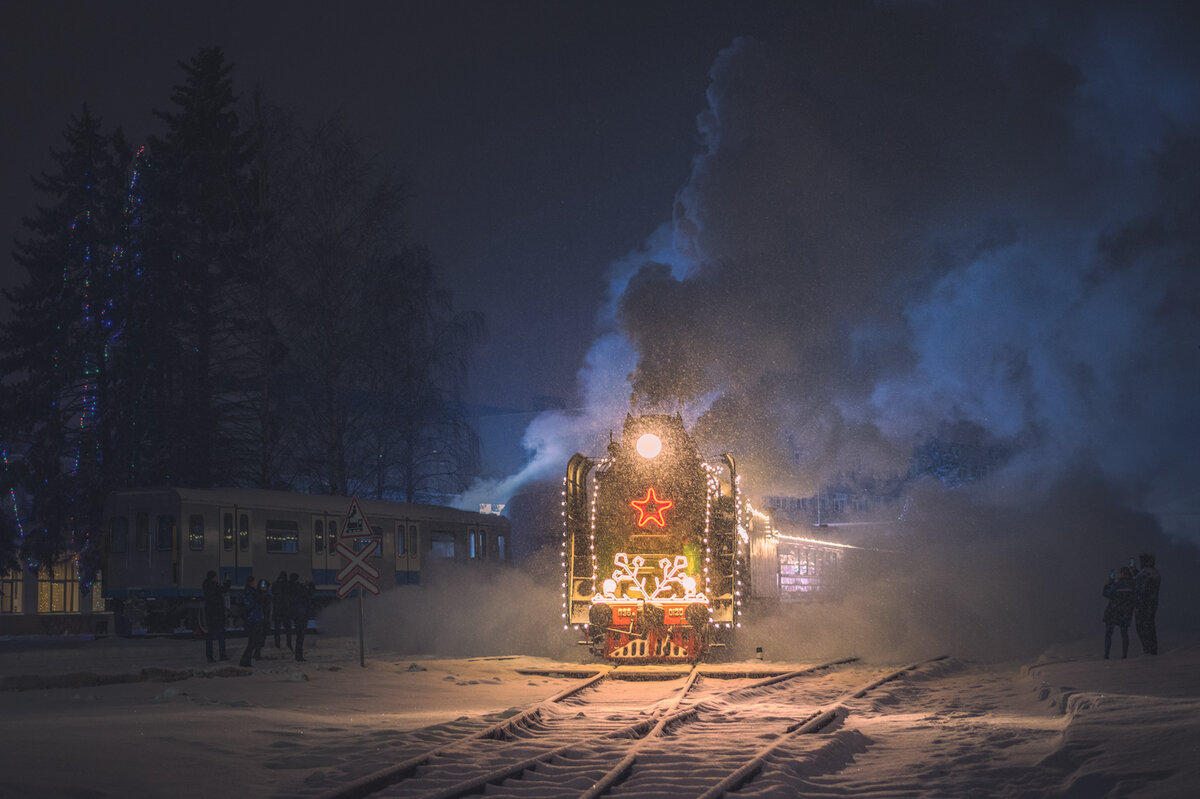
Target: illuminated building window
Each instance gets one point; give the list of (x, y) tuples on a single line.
[(196, 532), (441, 544), (283, 536), (98, 593), (319, 536), (118, 534), (11, 589), (141, 530), (58, 588)]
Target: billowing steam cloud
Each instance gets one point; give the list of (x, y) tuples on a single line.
[(908, 219)]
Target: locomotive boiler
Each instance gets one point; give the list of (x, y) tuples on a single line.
[(653, 545)]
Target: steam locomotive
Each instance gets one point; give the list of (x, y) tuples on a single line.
[(654, 546)]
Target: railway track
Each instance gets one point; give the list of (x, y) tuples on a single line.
[(691, 735)]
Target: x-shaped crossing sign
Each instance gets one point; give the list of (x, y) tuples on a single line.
[(357, 571)]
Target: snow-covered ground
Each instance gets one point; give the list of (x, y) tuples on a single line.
[(149, 718)]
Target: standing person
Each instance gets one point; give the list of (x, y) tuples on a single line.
[(1145, 603), (1119, 611), (302, 596), (256, 616), (214, 615), (281, 615)]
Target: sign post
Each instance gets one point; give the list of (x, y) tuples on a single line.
[(356, 571)]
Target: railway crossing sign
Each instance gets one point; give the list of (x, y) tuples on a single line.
[(357, 572)]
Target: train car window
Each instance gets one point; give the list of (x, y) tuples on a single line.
[(319, 536), (118, 533), (500, 553), (359, 543), (441, 544), (472, 544), (400, 540), (196, 531), (283, 536), (244, 532), (164, 533), (413, 540), (483, 544), (227, 532), (141, 530)]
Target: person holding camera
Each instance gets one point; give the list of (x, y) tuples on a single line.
[(1119, 612)]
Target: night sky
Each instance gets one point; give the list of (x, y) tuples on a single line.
[(827, 231)]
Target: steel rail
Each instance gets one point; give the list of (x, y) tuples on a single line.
[(377, 781), (813, 723)]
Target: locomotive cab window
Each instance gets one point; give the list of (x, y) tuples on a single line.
[(118, 533), (196, 532), (283, 536)]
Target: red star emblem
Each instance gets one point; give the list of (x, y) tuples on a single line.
[(651, 509)]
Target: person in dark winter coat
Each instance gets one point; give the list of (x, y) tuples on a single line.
[(214, 615), (281, 611), (302, 596), (1119, 611), (1145, 603), (254, 600)]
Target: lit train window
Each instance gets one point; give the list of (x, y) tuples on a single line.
[(164, 533), (196, 531), (319, 536), (472, 544), (118, 533), (283, 536), (378, 531)]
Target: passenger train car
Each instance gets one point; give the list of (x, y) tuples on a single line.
[(654, 545), (160, 544)]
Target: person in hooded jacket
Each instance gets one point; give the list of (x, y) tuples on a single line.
[(256, 620), (1119, 612), (1145, 603), (214, 614), (302, 599), (281, 610)]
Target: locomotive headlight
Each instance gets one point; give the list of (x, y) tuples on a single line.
[(649, 445)]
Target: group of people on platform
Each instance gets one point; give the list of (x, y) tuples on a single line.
[(285, 606), (1132, 594)]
